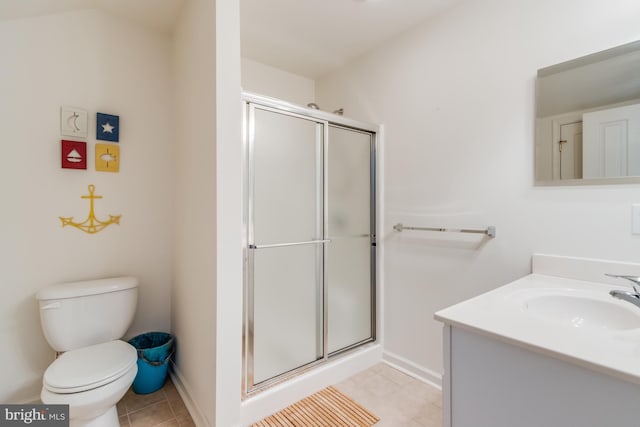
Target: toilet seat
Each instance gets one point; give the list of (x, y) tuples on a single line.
[(89, 367)]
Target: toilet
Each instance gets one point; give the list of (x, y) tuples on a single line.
[(83, 322)]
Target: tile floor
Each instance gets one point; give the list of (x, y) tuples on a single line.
[(163, 408), (398, 399)]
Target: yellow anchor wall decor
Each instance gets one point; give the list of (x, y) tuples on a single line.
[(92, 224)]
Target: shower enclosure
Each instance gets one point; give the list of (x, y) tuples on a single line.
[(310, 249)]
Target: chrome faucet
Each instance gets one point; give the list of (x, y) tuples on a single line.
[(629, 296)]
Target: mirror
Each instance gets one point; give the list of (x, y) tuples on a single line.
[(588, 119)]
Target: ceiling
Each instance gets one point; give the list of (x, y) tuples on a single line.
[(305, 37), (314, 37)]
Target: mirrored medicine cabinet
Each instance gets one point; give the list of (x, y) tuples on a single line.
[(588, 119)]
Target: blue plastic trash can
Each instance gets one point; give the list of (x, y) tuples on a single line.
[(154, 352)]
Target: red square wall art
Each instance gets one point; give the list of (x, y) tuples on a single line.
[(74, 154)]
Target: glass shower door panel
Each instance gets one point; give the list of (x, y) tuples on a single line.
[(350, 251), (349, 315), (287, 179), (285, 231), (286, 312)]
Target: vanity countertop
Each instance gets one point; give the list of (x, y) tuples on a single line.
[(573, 320)]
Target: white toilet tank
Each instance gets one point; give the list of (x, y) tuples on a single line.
[(80, 314)]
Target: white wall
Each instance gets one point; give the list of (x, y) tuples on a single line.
[(194, 277), (456, 96), (90, 60), (229, 219), (266, 80), (207, 289)]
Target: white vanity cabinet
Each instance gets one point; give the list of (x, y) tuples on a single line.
[(552, 349), (490, 383)]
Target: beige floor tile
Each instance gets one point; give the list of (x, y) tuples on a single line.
[(151, 415), (422, 390), (363, 376), (169, 387), (124, 421), (429, 416), (185, 420), (379, 385), (377, 367), (396, 376), (170, 423), (438, 401), (369, 401), (398, 399), (178, 407), (411, 407), (121, 408), (396, 423), (171, 393), (163, 408), (135, 402), (407, 398)]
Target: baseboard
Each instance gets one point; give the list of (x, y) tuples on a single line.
[(413, 369), (185, 394)]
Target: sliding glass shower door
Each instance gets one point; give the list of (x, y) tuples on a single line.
[(309, 271), (351, 222), (287, 242)]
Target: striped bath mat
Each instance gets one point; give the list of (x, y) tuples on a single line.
[(326, 408)]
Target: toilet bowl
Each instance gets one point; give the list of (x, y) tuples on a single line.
[(84, 321), (91, 380)]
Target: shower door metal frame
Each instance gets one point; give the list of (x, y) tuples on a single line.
[(250, 102)]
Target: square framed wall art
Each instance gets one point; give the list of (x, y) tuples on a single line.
[(107, 127), (73, 154)]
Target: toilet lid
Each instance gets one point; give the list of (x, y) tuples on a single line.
[(89, 367)]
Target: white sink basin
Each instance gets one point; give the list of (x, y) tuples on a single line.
[(583, 310), (574, 320)]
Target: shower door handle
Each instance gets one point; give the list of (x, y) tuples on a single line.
[(281, 245)]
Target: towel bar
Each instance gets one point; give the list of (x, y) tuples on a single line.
[(489, 231)]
